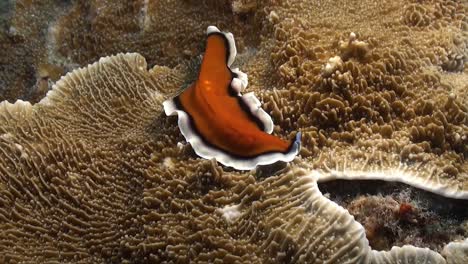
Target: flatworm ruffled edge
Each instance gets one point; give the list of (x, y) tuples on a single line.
[(231, 42), (206, 151), (238, 83)]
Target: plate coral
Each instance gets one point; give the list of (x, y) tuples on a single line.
[(95, 172)]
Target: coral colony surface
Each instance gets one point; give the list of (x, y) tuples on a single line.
[(93, 171)]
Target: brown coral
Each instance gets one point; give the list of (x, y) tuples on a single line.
[(417, 15), (393, 110), (365, 96), (396, 214), (96, 175), (92, 29), (23, 49), (67, 35)]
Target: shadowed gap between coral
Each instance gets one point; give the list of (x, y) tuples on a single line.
[(395, 214)]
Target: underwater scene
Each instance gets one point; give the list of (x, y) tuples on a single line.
[(234, 131)]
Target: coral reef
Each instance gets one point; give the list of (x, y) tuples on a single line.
[(151, 28), (124, 194), (96, 173), (93, 175), (373, 100), (395, 214), (69, 34), (27, 70)]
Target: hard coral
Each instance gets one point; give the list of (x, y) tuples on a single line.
[(362, 98), (86, 178), (97, 157), (95, 28), (70, 34), (394, 214), (24, 48)]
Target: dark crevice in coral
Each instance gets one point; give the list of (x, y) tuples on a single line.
[(5, 7), (27, 71), (395, 214)]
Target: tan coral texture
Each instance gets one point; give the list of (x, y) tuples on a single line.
[(26, 70), (96, 173), (377, 98)]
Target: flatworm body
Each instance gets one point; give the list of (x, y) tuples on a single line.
[(221, 123)]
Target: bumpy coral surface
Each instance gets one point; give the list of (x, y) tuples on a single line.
[(95, 173), (163, 31), (27, 69), (395, 214), (374, 97), (42, 39)]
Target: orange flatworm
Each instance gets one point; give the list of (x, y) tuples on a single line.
[(221, 123)]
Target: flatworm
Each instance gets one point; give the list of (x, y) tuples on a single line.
[(221, 123)]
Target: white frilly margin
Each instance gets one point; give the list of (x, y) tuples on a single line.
[(238, 83), (205, 151), (230, 38)]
